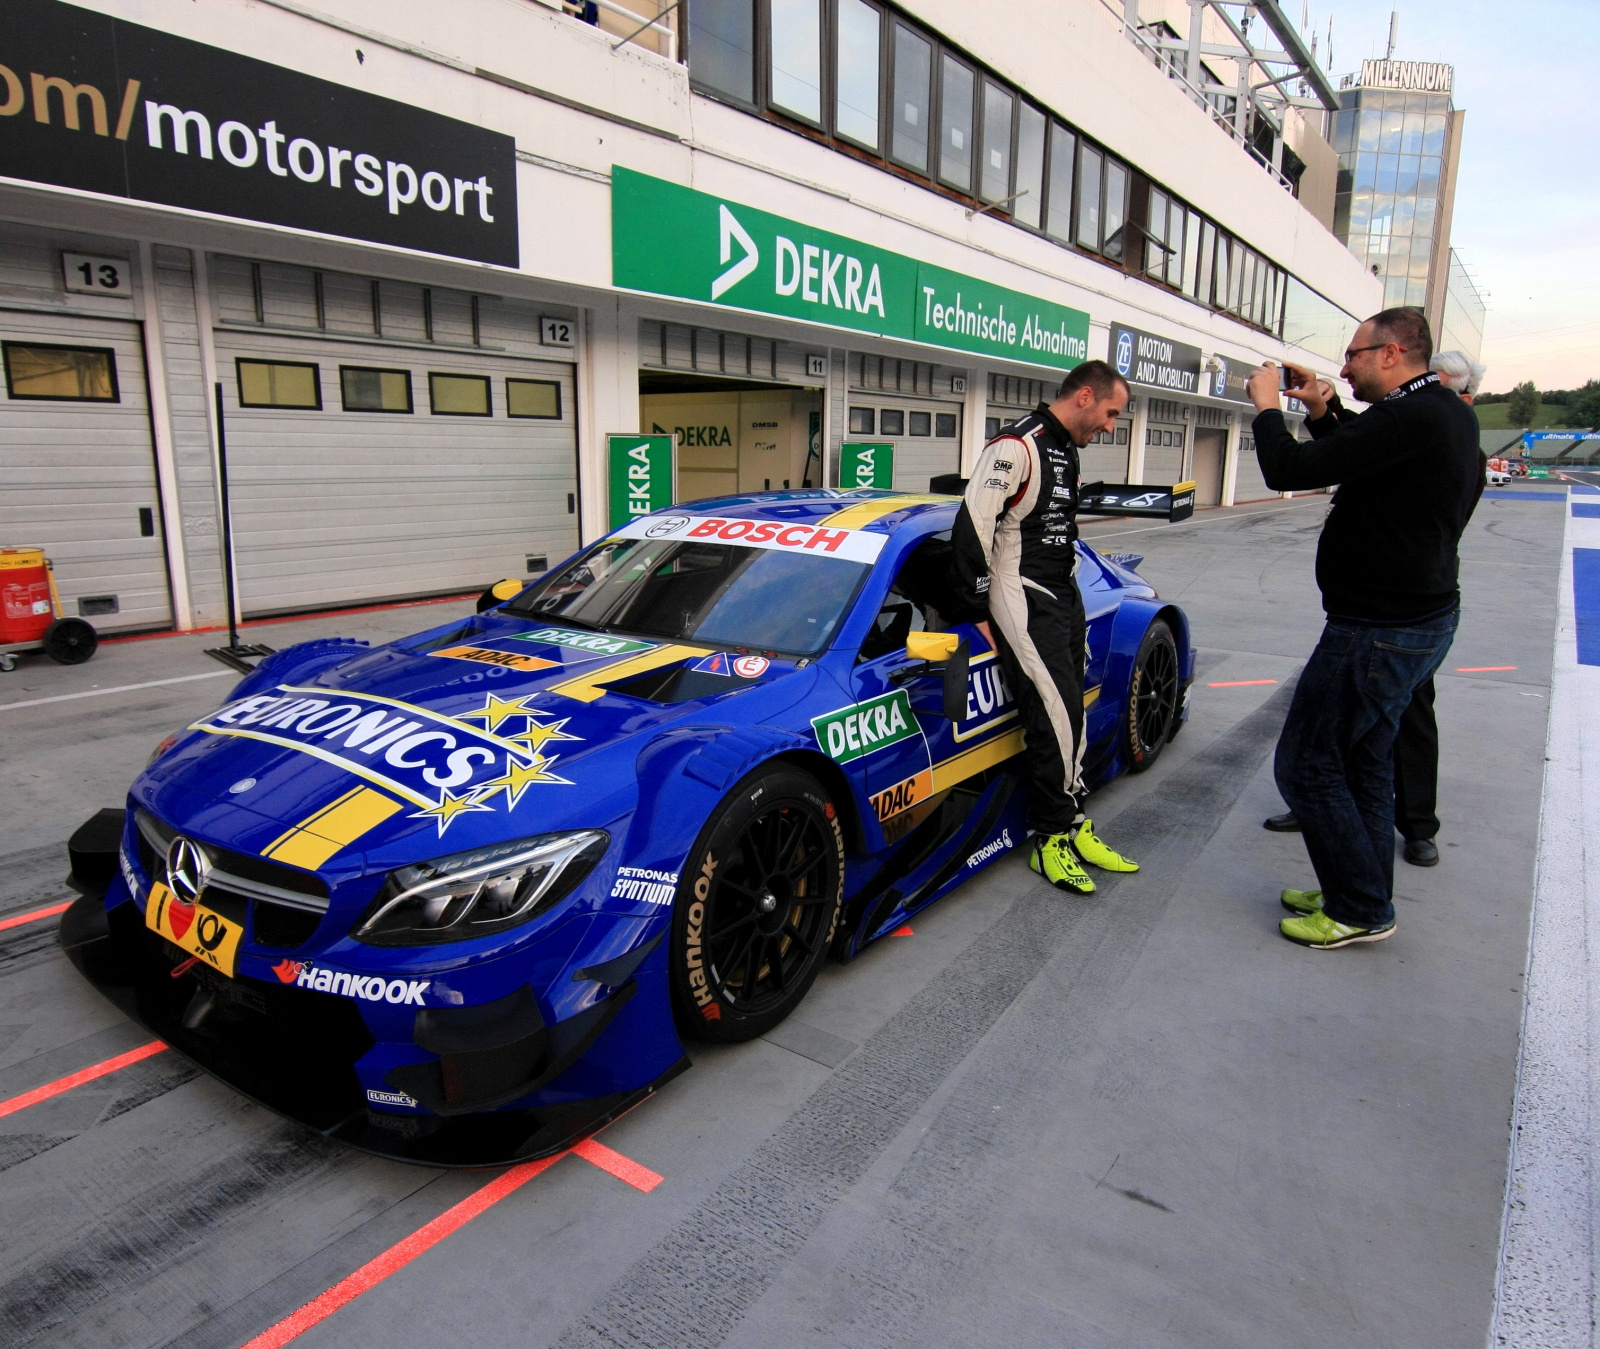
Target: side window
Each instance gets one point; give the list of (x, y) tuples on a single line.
[(912, 602)]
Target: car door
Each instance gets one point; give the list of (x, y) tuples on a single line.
[(909, 753), (1101, 598)]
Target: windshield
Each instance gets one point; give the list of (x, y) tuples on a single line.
[(718, 593)]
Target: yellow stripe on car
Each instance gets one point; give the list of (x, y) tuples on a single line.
[(865, 512), (321, 834), (589, 685)]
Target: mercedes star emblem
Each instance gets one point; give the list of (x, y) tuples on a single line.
[(187, 869)]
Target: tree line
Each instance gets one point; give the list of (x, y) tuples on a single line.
[(1583, 405)]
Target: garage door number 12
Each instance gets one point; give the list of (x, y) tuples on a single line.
[(86, 274)]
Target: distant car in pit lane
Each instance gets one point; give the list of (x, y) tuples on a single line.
[(454, 899)]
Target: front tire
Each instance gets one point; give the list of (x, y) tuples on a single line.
[(1152, 712), (757, 906)]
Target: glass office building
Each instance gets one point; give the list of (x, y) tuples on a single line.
[(1397, 137)]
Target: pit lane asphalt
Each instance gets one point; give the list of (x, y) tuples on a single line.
[(1141, 1119)]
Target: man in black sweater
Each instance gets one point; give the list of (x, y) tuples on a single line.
[(1409, 474)]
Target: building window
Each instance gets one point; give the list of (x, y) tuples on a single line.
[(991, 428), (892, 423), (944, 425), (913, 72), (796, 28), (1116, 208), (1191, 254), (855, 115), (279, 384), (1089, 167), (375, 390), (956, 91), (539, 398), (460, 395), (994, 179), (1028, 208), (1155, 241), (74, 374), (861, 421), (922, 423), (722, 47), (1058, 216)]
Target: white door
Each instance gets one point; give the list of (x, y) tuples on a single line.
[(925, 433), (77, 468), (421, 472)]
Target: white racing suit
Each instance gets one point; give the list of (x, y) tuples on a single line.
[(1014, 548)]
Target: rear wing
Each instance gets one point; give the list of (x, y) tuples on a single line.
[(1097, 498), (1151, 503)]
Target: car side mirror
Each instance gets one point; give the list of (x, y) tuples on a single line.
[(939, 653)]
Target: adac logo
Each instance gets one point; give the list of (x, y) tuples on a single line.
[(1124, 357), (188, 869), (441, 764)]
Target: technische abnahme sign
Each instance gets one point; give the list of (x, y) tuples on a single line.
[(672, 240)]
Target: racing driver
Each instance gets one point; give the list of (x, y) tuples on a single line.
[(1013, 546)]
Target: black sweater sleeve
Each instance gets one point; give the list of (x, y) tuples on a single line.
[(1339, 452)]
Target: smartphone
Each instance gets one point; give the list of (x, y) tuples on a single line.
[(1286, 378)]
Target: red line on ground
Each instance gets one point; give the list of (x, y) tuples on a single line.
[(77, 1079), (1481, 669), (1240, 683), (623, 1168), (904, 930), (289, 618), (401, 1254), (33, 915)]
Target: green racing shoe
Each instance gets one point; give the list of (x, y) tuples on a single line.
[(1317, 930), (1054, 860), (1095, 853), (1302, 901)]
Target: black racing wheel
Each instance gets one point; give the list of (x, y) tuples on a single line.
[(756, 907), (1152, 697), (70, 641)]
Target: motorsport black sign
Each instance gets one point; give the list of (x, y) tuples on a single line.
[(1144, 358), (1230, 379), (98, 104)]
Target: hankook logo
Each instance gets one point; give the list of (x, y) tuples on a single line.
[(188, 869)]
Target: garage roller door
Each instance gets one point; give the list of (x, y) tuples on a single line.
[(77, 472), (925, 433), (1248, 484), (334, 506)]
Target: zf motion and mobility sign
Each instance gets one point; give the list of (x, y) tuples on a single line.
[(94, 103), (672, 240)]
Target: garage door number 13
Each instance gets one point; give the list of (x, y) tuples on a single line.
[(86, 274)]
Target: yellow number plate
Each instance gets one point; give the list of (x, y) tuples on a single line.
[(199, 931)]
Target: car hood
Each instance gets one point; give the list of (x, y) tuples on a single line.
[(354, 759)]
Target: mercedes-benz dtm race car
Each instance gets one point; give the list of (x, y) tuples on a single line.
[(456, 898)]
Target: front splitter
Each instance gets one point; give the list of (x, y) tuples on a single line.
[(283, 1071)]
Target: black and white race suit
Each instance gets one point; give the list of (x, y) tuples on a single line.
[(1014, 546)]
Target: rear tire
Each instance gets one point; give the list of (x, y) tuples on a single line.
[(1153, 693), (757, 906)]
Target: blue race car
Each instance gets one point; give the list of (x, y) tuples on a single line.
[(456, 898)]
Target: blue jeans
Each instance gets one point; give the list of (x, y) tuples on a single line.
[(1334, 763)]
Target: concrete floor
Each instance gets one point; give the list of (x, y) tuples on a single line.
[(1139, 1120)]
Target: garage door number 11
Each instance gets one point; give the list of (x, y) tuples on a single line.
[(86, 274)]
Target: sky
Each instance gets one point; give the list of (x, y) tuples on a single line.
[(1527, 213)]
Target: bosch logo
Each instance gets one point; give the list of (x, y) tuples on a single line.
[(1124, 360), (188, 869), (670, 525)]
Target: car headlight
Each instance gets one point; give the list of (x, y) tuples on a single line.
[(476, 893), (164, 746)]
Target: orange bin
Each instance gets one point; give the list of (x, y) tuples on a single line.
[(25, 600)]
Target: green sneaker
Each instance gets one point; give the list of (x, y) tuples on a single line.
[(1302, 901), (1096, 854), (1053, 859), (1318, 930)]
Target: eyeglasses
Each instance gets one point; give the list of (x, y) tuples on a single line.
[(1352, 352)]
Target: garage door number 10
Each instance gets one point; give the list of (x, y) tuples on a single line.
[(86, 274)]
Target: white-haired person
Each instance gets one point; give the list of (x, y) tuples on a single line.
[(1458, 371), (1416, 743)]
